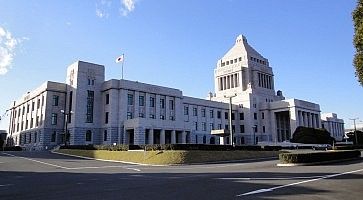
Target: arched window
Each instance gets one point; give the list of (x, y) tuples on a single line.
[(212, 140), (88, 136)]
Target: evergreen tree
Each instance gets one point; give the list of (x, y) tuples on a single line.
[(358, 40)]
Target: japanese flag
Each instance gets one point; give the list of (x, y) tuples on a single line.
[(120, 59)]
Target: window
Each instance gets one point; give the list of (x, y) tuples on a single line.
[(107, 98), (235, 60), (242, 128), (171, 104), (33, 105), (90, 100), (240, 59), (37, 121), (226, 115), (263, 129), (23, 110), (226, 127), (162, 103), (35, 137), (129, 115), (130, 99), (106, 118), (26, 125), (105, 135), (142, 115), (141, 100), (152, 116), (162, 117), (203, 112), (42, 100), (195, 111), (31, 122), (88, 136), (255, 128), (55, 100), (53, 136), (255, 116), (186, 110), (54, 119), (196, 126), (241, 116), (233, 116), (152, 102), (89, 81), (219, 113), (219, 126), (211, 126), (263, 115), (204, 126), (38, 104), (27, 108), (93, 82), (211, 113)]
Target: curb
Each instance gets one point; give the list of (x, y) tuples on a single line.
[(315, 163)]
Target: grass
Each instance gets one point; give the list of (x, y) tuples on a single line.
[(170, 157)]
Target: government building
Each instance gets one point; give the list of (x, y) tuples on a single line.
[(92, 110)]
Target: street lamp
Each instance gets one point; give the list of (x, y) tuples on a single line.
[(230, 118), (66, 125), (355, 130)]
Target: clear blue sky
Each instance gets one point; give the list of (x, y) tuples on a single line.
[(177, 44)]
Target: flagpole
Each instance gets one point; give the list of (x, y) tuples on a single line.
[(122, 66)]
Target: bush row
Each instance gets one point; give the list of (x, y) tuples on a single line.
[(312, 157), (14, 148), (348, 147), (155, 147)]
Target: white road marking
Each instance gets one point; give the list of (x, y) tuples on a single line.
[(73, 168), (268, 178), (296, 183), (5, 185)]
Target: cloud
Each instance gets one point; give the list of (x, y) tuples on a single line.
[(127, 6), (102, 8), (7, 49)]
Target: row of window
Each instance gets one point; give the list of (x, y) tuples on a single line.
[(130, 101), (211, 113), (257, 60), (21, 127), (228, 62), (265, 80), (228, 82), (21, 111), (28, 138)]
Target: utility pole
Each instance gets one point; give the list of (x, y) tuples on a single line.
[(230, 118), (355, 130)]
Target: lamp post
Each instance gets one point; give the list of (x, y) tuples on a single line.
[(230, 118), (355, 130), (66, 125)]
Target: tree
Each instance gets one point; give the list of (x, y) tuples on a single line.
[(358, 40)]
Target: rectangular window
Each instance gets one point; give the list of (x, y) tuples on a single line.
[(141, 100), (152, 102), (203, 112), (162, 103), (38, 104), (42, 100), (26, 124), (31, 122), (241, 116), (23, 110), (54, 134), (171, 104), (226, 127), (130, 99), (263, 115), (33, 105), (233, 117), (106, 118), (105, 135), (211, 113), (240, 59), (211, 126), (219, 126), (196, 126), (226, 115), (37, 121), (152, 116), (186, 110), (107, 98), (141, 115), (27, 108), (204, 126), (263, 129), (55, 100), (195, 111), (162, 117), (54, 119), (242, 128), (90, 101), (129, 115), (255, 116), (219, 114)]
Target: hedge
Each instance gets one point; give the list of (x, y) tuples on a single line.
[(312, 157), (158, 147), (348, 147)]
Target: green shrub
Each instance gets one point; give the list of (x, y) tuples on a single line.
[(312, 157), (307, 135)]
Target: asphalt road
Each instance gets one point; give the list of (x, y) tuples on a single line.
[(43, 175)]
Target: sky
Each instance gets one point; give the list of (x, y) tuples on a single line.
[(177, 44)]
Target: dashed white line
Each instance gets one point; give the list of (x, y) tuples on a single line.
[(296, 183), (5, 185), (271, 178), (53, 165)]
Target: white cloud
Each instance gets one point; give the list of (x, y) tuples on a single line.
[(102, 8), (7, 49), (127, 6)]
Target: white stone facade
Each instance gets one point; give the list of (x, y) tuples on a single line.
[(128, 112), (334, 125)]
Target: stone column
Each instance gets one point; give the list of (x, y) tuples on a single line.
[(173, 137), (313, 120), (183, 140), (301, 121), (162, 136), (151, 136)]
